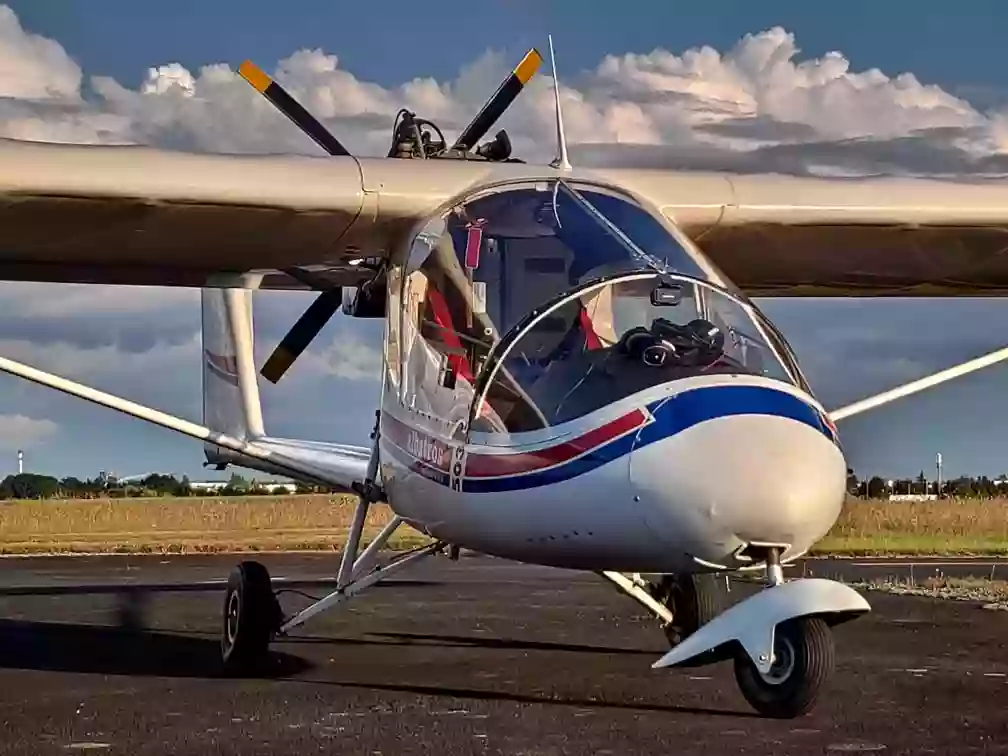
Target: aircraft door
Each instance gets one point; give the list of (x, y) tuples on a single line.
[(443, 336)]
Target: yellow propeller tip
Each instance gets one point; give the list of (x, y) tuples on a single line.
[(254, 75), (528, 66)]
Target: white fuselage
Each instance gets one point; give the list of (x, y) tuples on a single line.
[(681, 476)]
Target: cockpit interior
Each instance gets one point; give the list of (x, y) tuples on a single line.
[(531, 304)]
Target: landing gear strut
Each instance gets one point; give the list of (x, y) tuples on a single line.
[(253, 616), (682, 603), (694, 600)]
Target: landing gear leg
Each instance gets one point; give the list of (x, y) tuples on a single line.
[(682, 603), (694, 600), (252, 614), (803, 657)]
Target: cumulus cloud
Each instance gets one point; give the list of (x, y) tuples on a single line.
[(33, 67), (351, 355), (759, 104)]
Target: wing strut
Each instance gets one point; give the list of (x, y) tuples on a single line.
[(296, 469), (907, 389)]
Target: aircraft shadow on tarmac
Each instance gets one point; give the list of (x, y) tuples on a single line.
[(69, 647), (513, 644), (479, 694), (97, 649), (130, 648), (531, 698)]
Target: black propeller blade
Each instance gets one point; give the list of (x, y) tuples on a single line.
[(291, 108), (326, 304), (301, 334), (499, 102)]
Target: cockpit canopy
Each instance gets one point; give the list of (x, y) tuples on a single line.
[(531, 242), (546, 300)]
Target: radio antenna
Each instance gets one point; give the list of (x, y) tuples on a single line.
[(560, 162)]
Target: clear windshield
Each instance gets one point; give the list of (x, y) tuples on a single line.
[(494, 258), (493, 278), (615, 339)]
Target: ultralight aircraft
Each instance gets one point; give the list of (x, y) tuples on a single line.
[(575, 374)]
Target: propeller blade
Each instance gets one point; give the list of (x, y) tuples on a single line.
[(291, 108), (301, 334), (501, 100)]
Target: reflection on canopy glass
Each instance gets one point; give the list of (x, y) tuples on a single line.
[(618, 338), (536, 242), (553, 299), (498, 256)]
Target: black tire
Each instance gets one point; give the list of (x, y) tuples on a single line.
[(694, 600), (804, 653), (252, 616)]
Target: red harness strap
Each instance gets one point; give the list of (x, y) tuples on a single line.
[(459, 362), (592, 340)]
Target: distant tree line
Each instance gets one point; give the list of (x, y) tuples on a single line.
[(876, 487), (32, 486)]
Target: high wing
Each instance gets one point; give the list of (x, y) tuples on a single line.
[(135, 215), (776, 235)]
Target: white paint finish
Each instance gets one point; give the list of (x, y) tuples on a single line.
[(726, 482), (752, 621)]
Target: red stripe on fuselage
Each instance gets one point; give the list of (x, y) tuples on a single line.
[(417, 443), (496, 465)]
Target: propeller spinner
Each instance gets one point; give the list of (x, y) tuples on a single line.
[(328, 302)]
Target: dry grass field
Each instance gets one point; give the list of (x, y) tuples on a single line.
[(263, 523), (185, 525), (947, 527)]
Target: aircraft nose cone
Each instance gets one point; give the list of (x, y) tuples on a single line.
[(735, 480)]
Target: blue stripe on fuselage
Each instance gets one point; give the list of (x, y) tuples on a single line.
[(672, 415), (694, 406)]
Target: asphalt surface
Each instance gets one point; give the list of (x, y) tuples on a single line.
[(478, 656)]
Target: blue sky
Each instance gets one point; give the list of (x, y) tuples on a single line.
[(142, 344), (952, 48)]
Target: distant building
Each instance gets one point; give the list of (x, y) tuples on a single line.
[(272, 486)]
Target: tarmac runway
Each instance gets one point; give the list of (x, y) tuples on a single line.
[(478, 656)]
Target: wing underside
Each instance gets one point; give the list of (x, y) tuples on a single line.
[(860, 260), (131, 215)]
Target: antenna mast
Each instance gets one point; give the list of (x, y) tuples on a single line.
[(560, 162)]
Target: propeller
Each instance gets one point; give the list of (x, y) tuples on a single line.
[(314, 319)]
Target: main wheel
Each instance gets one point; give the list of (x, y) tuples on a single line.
[(803, 659), (694, 600), (252, 616)]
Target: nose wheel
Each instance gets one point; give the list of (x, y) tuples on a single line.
[(252, 616), (803, 659)]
